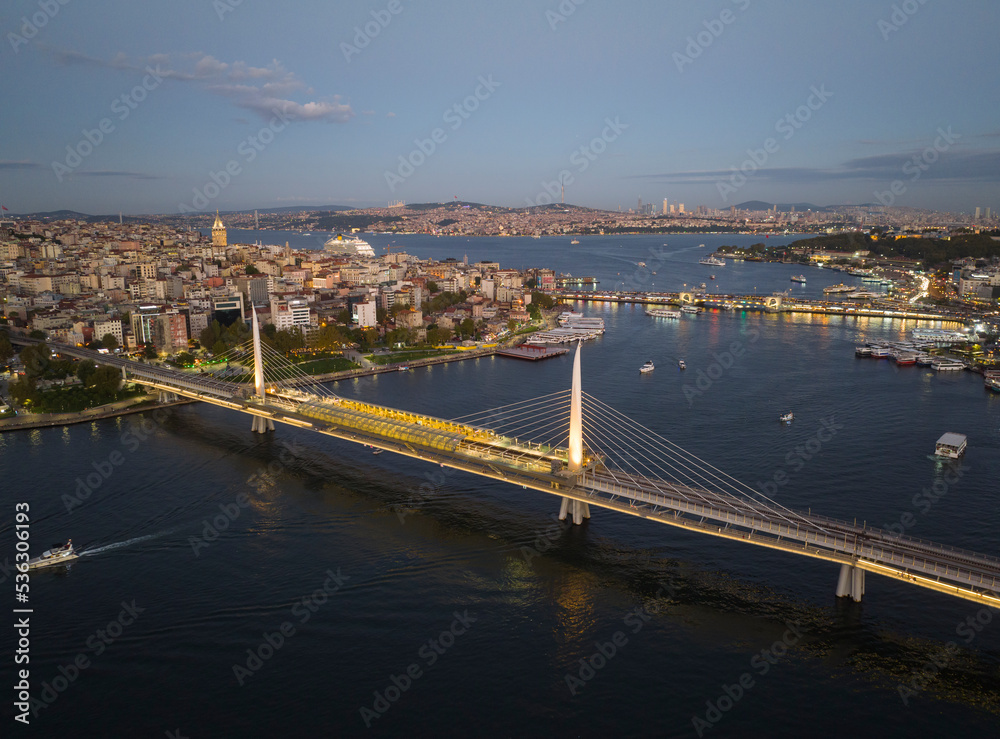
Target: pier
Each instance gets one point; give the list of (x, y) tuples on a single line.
[(779, 303)]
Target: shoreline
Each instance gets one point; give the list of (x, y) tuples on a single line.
[(50, 420)]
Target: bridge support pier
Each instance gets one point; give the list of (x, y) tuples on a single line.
[(166, 397), (261, 425), (851, 583), (575, 508)]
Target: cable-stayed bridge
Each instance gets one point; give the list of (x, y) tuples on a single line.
[(574, 446)]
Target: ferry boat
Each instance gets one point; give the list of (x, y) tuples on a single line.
[(690, 309), (647, 367), (786, 418), (881, 352), (947, 365), (713, 260), (663, 313), (58, 554), (862, 351), (799, 278), (925, 360), (951, 446), (992, 383), (841, 288), (904, 358)]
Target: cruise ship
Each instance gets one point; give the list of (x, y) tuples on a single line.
[(350, 246)]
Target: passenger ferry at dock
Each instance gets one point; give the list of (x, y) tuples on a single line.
[(693, 309)]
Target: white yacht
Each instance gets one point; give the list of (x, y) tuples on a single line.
[(647, 367), (58, 554)]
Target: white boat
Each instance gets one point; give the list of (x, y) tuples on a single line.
[(690, 309), (841, 288), (947, 365), (575, 241), (713, 260), (57, 555), (951, 446), (862, 351), (647, 367), (786, 418), (799, 278), (680, 363), (663, 313)]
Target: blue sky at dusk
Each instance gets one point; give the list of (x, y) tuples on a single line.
[(618, 100)]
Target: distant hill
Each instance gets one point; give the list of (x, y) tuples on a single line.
[(63, 215), (782, 207)]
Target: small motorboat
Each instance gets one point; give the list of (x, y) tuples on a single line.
[(680, 364), (647, 367), (378, 451), (786, 418), (58, 554)]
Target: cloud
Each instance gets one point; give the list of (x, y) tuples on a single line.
[(948, 166), (262, 90), (390, 115), (114, 173), (22, 164)]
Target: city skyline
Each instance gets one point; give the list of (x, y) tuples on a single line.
[(222, 105)]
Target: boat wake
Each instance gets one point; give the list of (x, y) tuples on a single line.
[(118, 545)]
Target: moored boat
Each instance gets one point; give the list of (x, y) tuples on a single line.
[(947, 365), (690, 309), (799, 278), (58, 554), (862, 351)]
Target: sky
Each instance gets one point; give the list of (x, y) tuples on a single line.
[(196, 105)]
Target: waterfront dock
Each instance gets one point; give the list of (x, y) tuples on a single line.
[(531, 353)]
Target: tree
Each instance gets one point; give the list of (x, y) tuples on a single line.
[(467, 328), (437, 336), (36, 359), (38, 334), (109, 342), (185, 358), (511, 324), (85, 370), (23, 391), (432, 287), (149, 352), (106, 381), (6, 350), (251, 270), (329, 337)]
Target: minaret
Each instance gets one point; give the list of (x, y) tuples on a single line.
[(218, 232)]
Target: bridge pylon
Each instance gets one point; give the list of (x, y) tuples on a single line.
[(851, 582), (260, 424), (577, 508)]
